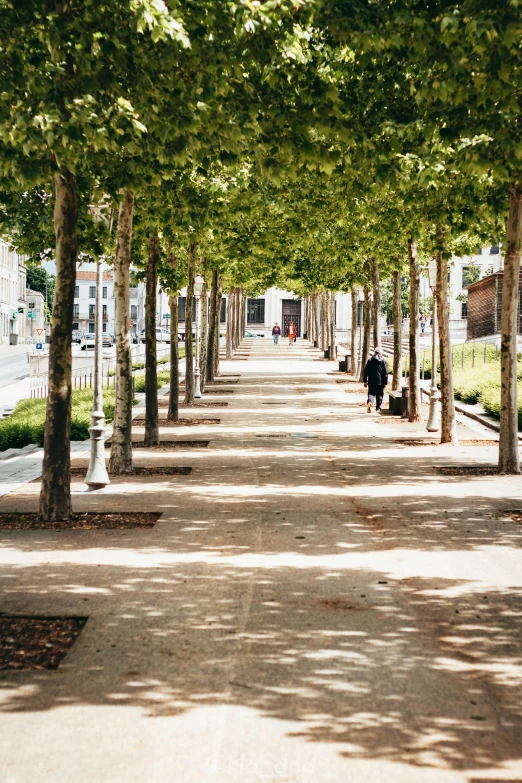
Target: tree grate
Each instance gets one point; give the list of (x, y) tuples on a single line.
[(37, 642), (86, 520), (149, 470), (164, 445), (468, 470), (180, 422)]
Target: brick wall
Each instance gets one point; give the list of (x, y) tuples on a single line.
[(485, 306), (482, 297)]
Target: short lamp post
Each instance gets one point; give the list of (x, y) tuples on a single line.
[(198, 288), (433, 424), (97, 476)]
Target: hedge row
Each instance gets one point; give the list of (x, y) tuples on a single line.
[(482, 384), (26, 423)]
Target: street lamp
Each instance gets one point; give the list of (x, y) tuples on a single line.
[(434, 415), (97, 476), (199, 282)]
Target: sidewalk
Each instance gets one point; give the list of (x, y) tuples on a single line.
[(317, 602)]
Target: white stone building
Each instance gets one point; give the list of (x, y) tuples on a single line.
[(13, 310), (85, 300)]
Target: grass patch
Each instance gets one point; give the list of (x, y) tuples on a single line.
[(139, 380), (26, 423)]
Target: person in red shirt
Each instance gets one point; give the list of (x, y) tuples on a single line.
[(291, 333)]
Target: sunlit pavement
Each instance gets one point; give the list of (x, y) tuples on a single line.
[(322, 605)]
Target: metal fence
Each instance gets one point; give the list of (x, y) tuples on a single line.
[(83, 377)]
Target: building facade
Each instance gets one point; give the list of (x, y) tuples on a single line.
[(85, 301), (13, 310), (485, 306)]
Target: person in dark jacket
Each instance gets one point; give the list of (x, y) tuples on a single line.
[(375, 378)]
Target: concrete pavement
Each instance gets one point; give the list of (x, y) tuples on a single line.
[(317, 603)]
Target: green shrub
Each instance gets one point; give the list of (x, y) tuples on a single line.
[(490, 399), (26, 423), (470, 384), (139, 381)]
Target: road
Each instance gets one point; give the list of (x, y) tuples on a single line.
[(15, 371)]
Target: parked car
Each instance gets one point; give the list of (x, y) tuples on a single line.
[(87, 342), (252, 334), (107, 341), (162, 335), (78, 335)]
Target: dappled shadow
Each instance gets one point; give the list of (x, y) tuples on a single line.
[(337, 586)]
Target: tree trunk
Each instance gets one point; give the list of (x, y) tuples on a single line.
[(365, 354), (229, 324), (121, 448), (212, 326), (189, 347), (332, 326), (376, 303), (448, 428), (397, 331), (415, 405), (203, 344), (55, 492), (353, 336), (317, 316), (151, 371), (237, 317), (508, 454), (218, 326), (173, 412), (324, 320)]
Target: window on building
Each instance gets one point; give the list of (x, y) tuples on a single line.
[(134, 312), (223, 313), (104, 292), (91, 311), (255, 311), (360, 313), (104, 311), (92, 292), (182, 303), (470, 274), (91, 328), (464, 310), (76, 310), (76, 325), (494, 250), (76, 291), (104, 328)]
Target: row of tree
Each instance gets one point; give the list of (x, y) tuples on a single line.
[(319, 145)]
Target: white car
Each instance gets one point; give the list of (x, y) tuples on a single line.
[(162, 335), (88, 341)]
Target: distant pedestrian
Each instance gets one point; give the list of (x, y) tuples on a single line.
[(375, 378), (291, 333), (276, 333), (422, 321)]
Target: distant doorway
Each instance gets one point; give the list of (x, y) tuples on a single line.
[(291, 312)]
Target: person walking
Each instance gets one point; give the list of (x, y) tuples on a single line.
[(291, 333), (276, 333), (422, 320), (375, 378)]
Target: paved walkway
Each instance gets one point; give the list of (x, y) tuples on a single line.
[(316, 604)]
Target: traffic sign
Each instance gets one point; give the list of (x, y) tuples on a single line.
[(39, 332), (38, 347)]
